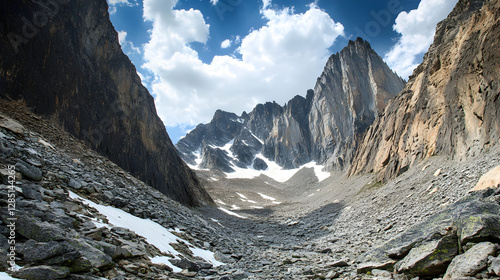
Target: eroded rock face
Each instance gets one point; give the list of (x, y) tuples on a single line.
[(450, 105), (69, 67), (322, 126), (355, 86)]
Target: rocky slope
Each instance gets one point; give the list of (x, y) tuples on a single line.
[(64, 60), (322, 127), (450, 106)]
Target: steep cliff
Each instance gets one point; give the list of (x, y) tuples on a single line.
[(451, 105), (355, 86), (64, 60), (323, 127)]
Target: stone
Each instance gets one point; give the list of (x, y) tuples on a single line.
[(37, 252), (489, 180), (39, 231), (477, 228), (471, 262), (185, 264), (494, 267), (332, 274), (11, 125), (369, 266), (91, 257), (339, 263), (42, 272), (29, 171), (32, 192), (75, 184), (429, 258)]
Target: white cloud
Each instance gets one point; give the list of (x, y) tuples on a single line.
[(225, 44), (214, 2), (122, 2), (279, 60), (417, 29), (127, 46)]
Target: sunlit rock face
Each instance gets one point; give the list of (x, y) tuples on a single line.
[(450, 105), (323, 126)]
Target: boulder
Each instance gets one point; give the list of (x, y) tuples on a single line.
[(91, 257), (185, 264), (29, 171), (35, 252), (489, 180), (430, 258), (371, 265), (494, 268), (477, 228), (471, 262), (42, 272), (39, 231)]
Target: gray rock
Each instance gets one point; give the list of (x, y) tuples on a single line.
[(29, 171), (494, 267), (40, 251), (42, 272), (259, 164), (430, 258), (75, 184), (369, 266), (471, 262), (477, 228), (32, 192), (185, 264), (91, 257), (39, 231)]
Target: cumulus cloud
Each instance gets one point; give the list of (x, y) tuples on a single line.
[(417, 29), (278, 61), (127, 46), (225, 44)]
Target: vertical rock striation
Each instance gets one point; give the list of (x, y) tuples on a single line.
[(451, 104), (64, 60), (355, 86)]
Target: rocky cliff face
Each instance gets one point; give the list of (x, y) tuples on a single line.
[(451, 105), (355, 86), (64, 60)]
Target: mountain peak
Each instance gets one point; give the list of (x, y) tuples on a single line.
[(355, 85)]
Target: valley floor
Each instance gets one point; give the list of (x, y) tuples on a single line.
[(325, 229), (78, 203)]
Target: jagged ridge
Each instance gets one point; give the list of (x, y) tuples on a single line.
[(355, 86)]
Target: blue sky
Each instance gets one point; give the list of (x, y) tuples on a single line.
[(197, 56)]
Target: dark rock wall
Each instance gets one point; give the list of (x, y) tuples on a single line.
[(64, 60)]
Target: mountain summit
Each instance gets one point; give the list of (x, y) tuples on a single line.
[(354, 87)]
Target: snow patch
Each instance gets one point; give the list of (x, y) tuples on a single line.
[(232, 213), (5, 276), (220, 202), (275, 171), (241, 195), (153, 232), (267, 197)]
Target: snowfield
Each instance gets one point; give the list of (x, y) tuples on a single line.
[(153, 232)]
